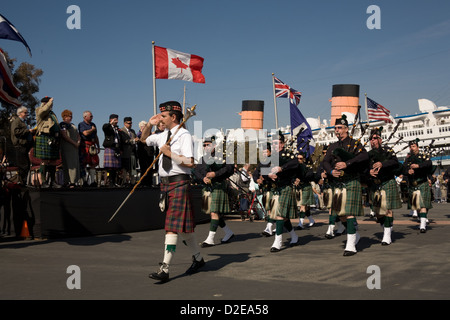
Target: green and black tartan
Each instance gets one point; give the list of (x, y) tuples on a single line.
[(219, 198), (425, 192), (45, 151), (353, 203), (287, 207), (392, 195), (307, 195)]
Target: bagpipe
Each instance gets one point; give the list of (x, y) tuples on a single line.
[(419, 158), (384, 152), (312, 160), (352, 150)]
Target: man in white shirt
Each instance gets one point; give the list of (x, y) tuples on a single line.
[(175, 166)]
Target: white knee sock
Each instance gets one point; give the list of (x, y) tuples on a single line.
[(191, 242), (170, 244)]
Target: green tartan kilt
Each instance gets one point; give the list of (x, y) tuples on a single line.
[(353, 202), (219, 200), (392, 195), (45, 151), (287, 205), (305, 196), (425, 192)]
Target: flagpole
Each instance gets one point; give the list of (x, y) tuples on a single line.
[(365, 106), (184, 99), (154, 78), (275, 101)]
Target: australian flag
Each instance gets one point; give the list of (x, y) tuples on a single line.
[(299, 125), (8, 31)]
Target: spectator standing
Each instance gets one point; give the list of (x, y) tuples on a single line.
[(22, 140), (443, 181), (70, 143), (145, 155), (89, 149), (129, 140), (47, 142), (112, 160)]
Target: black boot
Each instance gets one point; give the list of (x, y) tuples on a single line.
[(161, 275), (195, 266)]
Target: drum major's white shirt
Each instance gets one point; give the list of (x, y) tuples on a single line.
[(181, 144)]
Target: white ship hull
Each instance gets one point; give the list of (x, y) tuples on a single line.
[(432, 123)]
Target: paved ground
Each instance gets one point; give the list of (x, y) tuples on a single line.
[(414, 266)]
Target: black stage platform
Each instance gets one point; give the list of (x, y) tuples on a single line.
[(86, 211)]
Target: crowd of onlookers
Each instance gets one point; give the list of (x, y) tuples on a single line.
[(439, 184), (58, 153)]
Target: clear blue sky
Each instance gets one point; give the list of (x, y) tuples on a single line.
[(106, 67)]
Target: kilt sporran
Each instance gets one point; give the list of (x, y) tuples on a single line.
[(274, 206), (163, 201), (206, 202)]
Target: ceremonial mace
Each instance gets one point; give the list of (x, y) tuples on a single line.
[(190, 112)]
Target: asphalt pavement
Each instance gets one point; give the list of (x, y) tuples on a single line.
[(416, 266)]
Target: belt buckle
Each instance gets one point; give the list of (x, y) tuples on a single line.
[(165, 180)]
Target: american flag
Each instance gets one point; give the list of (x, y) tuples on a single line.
[(377, 112), (282, 90)]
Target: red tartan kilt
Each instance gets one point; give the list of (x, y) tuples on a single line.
[(179, 215), (87, 158)]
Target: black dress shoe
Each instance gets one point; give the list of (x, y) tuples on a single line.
[(329, 236), (195, 266), (206, 245), (349, 253), (273, 249), (266, 234), (423, 230), (385, 243), (227, 241), (160, 276), (293, 244)]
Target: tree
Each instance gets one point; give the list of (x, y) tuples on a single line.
[(27, 79)]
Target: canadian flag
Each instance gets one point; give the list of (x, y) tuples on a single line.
[(171, 64)]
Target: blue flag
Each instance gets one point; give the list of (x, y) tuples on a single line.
[(8, 31), (299, 125)]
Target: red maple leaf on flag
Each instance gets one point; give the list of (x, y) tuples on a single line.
[(179, 64)]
